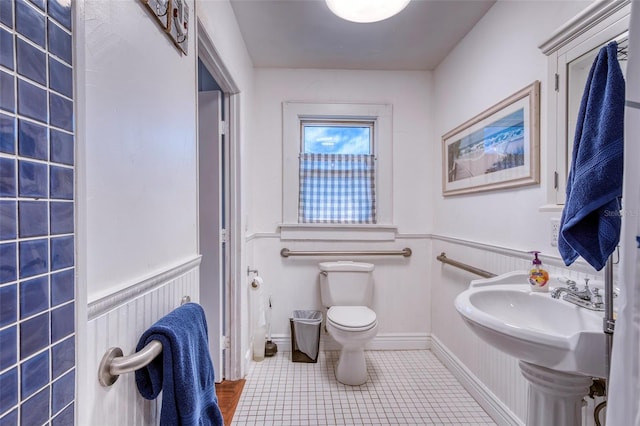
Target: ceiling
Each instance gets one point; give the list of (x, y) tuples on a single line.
[(305, 34)]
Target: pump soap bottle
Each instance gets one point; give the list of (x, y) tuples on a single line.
[(538, 277)]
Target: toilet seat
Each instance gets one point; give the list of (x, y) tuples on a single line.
[(352, 318)]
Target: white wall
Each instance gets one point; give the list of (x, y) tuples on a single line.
[(136, 183), (139, 147), (220, 23), (137, 156), (293, 281), (497, 58), (408, 92), (140, 143)]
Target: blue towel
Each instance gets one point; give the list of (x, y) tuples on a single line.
[(590, 224), (183, 372)]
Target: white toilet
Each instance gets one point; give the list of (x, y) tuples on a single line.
[(346, 289)]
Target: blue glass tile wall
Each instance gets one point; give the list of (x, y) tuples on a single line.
[(37, 227)]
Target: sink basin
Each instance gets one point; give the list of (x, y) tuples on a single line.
[(534, 327)]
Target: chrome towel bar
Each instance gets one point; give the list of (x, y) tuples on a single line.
[(484, 274), (114, 364), (406, 252)]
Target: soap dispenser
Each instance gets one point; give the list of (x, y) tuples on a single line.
[(538, 277)]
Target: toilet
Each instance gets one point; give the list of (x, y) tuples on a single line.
[(346, 288)]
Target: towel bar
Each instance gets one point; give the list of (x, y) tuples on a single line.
[(114, 364)]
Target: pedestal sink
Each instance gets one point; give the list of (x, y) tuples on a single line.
[(561, 346)]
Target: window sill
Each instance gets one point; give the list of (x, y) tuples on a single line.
[(334, 232)]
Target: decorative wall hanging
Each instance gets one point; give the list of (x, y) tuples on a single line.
[(160, 10), (499, 148), (179, 24), (173, 17)]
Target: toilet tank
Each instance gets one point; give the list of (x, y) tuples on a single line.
[(346, 283)]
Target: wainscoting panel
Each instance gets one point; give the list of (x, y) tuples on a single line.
[(504, 390), (121, 325)]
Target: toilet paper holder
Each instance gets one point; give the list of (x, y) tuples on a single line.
[(254, 282)]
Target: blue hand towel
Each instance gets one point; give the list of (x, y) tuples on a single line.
[(183, 372), (590, 224)]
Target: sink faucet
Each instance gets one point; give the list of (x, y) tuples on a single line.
[(586, 298), (570, 288)]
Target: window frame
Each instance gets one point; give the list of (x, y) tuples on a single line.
[(381, 115)]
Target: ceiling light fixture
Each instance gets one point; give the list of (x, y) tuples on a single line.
[(364, 11)]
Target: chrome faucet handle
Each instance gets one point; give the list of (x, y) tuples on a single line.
[(596, 298), (571, 284)]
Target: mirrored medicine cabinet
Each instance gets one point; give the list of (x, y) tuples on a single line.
[(571, 51)]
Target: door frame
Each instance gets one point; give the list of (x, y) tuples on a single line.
[(232, 370)]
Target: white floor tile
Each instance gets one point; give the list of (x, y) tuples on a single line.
[(404, 388)]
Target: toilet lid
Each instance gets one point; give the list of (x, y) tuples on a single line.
[(354, 318)]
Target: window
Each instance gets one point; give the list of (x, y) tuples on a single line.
[(337, 172), (337, 137), (337, 165)]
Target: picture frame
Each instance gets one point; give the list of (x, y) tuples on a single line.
[(497, 149)]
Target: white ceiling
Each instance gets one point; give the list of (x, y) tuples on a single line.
[(305, 34)]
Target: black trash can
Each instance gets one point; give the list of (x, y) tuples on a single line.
[(305, 335)]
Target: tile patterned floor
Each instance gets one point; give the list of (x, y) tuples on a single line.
[(404, 388)]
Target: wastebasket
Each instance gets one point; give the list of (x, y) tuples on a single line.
[(305, 335)]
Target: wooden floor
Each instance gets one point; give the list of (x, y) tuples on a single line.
[(228, 396)]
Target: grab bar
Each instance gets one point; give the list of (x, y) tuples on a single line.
[(484, 274), (406, 252), (114, 364)]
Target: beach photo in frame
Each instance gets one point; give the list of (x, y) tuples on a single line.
[(497, 149)]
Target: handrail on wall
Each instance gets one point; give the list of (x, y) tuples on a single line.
[(114, 364), (406, 252), (444, 259)]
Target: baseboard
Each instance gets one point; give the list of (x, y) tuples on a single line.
[(382, 342), (500, 413), (400, 342)]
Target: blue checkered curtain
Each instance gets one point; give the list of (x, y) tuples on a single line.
[(337, 188)]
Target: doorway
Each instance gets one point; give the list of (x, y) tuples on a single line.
[(212, 214), (218, 202)]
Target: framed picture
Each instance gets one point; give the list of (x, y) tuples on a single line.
[(499, 148)]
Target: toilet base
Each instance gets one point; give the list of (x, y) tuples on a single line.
[(352, 367)]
